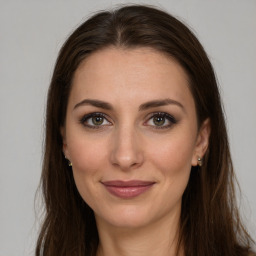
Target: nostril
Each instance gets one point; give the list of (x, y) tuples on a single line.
[(126, 160), (126, 150)]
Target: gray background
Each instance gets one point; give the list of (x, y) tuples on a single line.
[(31, 33)]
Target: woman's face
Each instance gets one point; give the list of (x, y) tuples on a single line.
[(131, 134)]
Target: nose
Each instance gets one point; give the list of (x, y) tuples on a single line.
[(127, 150)]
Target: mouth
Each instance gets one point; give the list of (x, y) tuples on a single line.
[(127, 189)]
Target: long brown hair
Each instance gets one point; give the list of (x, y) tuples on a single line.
[(210, 223)]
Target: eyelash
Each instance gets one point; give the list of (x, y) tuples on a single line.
[(164, 115), (85, 119)]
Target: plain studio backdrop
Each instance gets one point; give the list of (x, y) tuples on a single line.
[(31, 34)]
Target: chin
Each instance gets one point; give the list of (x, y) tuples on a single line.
[(127, 217)]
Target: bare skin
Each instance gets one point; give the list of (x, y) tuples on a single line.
[(131, 117)]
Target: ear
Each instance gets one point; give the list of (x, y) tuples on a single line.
[(64, 142), (202, 141)]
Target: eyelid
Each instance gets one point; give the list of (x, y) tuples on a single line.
[(159, 113), (169, 117), (94, 114)]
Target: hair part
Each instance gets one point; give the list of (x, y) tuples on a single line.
[(210, 223)]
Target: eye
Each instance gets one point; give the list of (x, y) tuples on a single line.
[(95, 120), (161, 120)]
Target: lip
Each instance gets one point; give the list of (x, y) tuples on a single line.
[(127, 189)]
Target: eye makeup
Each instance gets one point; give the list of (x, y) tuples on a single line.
[(95, 120), (160, 120), (155, 120)]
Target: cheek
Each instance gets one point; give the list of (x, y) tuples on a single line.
[(87, 170), (88, 157), (172, 158), (173, 153), (87, 154), (175, 167)]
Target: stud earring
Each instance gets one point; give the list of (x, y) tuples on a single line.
[(199, 161), (69, 163)]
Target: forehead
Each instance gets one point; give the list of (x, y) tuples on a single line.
[(131, 74)]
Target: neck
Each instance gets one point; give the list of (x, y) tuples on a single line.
[(158, 238)]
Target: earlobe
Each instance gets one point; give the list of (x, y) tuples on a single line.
[(64, 143), (202, 142)]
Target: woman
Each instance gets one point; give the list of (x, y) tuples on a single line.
[(137, 160)]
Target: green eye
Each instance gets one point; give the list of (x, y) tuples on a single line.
[(159, 120), (97, 120)]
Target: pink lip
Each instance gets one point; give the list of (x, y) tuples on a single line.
[(127, 189)]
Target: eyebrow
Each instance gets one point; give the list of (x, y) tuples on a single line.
[(95, 103), (159, 103), (144, 106)]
